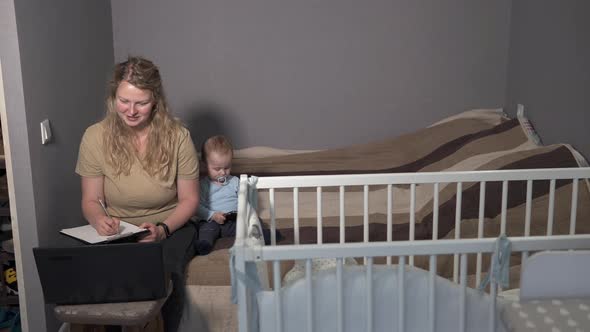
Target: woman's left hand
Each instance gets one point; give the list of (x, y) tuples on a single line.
[(156, 233)]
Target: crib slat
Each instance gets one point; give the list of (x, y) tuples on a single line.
[(574, 206), (462, 306), (309, 291), (401, 301), (551, 207), (492, 317), (493, 293), (296, 215), (365, 217), (435, 212), (504, 204), (432, 294), (459, 196), (339, 295), (342, 235), (242, 294), (412, 216), (389, 217), (366, 213), (273, 225), (319, 214), (276, 269), (482, 202), (369, 290), (527, 217), (504, 213), (529, 204)]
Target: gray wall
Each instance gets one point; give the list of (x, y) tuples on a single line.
[(549, 68), (319, 74), (66, 54)]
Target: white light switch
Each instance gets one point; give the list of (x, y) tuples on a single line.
[(45, 132)]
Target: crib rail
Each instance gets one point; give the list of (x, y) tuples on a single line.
[(421, 178), (407, 248), (457, 247)]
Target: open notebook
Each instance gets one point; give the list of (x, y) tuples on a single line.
[(88, 234)]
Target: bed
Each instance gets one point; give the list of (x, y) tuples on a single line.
[(406, 204)]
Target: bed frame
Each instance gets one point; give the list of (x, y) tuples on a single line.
[(248, 253)]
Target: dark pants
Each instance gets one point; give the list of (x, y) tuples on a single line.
[(178, 251), (209, 232)]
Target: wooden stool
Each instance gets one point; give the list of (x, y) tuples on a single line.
[(131, 316)]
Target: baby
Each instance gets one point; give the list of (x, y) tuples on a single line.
[(219, 194)]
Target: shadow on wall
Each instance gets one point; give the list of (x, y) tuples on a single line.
[(207, 119)]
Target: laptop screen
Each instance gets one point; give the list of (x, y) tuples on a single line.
[(102, 273)]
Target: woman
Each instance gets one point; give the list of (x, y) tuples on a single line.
[(143, 163)]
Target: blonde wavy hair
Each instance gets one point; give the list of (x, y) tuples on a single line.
[(118, 139)]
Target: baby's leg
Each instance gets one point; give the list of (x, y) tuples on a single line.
[(208, 233), (228, 229)]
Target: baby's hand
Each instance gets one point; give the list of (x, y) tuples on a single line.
[(218, 217)]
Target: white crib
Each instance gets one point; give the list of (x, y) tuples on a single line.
[(250, 256)]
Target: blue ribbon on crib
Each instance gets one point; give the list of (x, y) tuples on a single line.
[(253, 192), (249, 277), (500, 264), (253, 285)]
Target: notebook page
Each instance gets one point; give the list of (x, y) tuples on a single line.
[(88, 234)]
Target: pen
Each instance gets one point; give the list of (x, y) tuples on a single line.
[(104, 208)]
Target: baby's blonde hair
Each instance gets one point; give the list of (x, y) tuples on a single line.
[(217, 143)]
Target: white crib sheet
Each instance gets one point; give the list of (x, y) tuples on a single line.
[(385, 303)]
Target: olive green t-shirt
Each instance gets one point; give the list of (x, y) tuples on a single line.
[(137, 197)]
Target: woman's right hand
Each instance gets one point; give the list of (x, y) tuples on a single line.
[(106, 226)]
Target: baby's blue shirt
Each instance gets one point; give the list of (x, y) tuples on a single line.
[(218, 198)]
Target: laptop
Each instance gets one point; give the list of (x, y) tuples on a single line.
[(102, 273)]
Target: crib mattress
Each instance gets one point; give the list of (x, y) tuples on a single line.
[(548, 315), (384, 302)]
